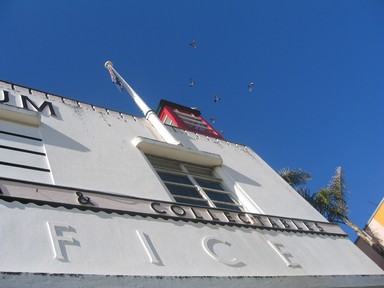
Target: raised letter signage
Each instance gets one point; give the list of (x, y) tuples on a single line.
[(28, 104), (284, 254), (223, 255), (154, 258), (99, 201), (58, 240)]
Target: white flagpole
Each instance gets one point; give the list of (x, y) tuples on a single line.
[(149, 114)]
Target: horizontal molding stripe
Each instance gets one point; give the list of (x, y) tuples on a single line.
[(24, 166), (20, 135), (22, 150)]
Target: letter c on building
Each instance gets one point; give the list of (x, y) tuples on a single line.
[(223, 255), (153, 204)]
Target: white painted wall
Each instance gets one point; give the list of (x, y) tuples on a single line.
[(108, 244), (91, 148)]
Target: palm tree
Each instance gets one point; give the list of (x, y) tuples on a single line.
[(298, 180), (330, 201)]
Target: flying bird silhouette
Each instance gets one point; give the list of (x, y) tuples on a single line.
[(193, 44), (213, 119), (191, 82), (250, 86), (217, 98)]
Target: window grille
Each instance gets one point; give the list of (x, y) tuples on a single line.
[(193, 121), (194, 185)]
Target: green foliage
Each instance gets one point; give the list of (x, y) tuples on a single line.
[(330, 201), (295, 177)]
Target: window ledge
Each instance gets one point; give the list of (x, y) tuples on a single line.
[(20, 115), (177, 152)]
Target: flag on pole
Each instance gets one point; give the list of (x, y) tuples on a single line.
[(149, 114), (115, 80)]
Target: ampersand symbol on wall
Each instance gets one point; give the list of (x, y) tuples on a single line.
[(82, 199)]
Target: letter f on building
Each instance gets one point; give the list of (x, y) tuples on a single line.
[(58, 240)]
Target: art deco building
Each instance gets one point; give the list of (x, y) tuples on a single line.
[(114, 200)]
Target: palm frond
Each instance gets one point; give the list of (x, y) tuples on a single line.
[(338, 188), (306, 194), (295, 177), (326, 201), (331, 202)]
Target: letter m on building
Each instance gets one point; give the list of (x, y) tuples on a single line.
[(28, 103)]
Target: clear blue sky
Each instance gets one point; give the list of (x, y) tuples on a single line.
[(317, 68)]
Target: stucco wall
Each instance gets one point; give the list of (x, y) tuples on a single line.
[(87, 147), (109, 244), (90, 147)]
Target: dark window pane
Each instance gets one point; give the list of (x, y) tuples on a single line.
[(192, 201), (219, 196), (163, 163), (197, 170), (209, 184), (174, 178), (183, 191), (230, 207)]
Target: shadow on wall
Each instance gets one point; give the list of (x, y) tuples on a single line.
[(53, 137), (240, 178)]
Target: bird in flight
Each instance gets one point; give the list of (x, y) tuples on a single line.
[(191, 82), (193, 44), (213, 119), (250, 86), (217, 98)]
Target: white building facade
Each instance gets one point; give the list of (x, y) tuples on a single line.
[(93, 197)]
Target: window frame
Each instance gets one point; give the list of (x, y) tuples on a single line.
[(233, 204), (185, 118)]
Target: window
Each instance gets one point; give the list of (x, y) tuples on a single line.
[(167, 120), (193, 122), (193, 184), (186, 118)]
